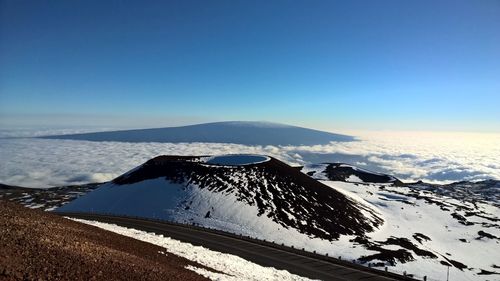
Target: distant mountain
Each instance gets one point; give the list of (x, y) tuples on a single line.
[(247, 194), (248, 133)]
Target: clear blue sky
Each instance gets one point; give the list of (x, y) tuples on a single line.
[(405, 65)]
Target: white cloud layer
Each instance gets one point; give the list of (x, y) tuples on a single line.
[(432, 157)]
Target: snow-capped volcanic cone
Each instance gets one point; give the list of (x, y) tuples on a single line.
[(239, 132), (245, 194), (347, 173)]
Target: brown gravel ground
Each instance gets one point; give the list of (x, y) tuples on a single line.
[(36, 245)]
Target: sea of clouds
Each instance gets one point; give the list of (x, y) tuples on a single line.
[(431, 157)]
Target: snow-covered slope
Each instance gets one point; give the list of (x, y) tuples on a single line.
[(428, 227), (252, 195), (248, 133)]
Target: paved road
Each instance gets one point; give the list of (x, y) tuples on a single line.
[(253, 251)]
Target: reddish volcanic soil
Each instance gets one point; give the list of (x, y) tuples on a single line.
[(36, 245)]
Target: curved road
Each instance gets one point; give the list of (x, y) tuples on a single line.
[(265, 255)]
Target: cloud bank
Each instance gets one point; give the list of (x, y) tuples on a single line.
[(433, 157), (412, 156), (44, 163)]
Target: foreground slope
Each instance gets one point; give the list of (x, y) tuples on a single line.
[(245, 194), (248, 133), (37, 245)]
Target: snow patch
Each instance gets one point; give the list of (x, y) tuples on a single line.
[(233, 267)]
